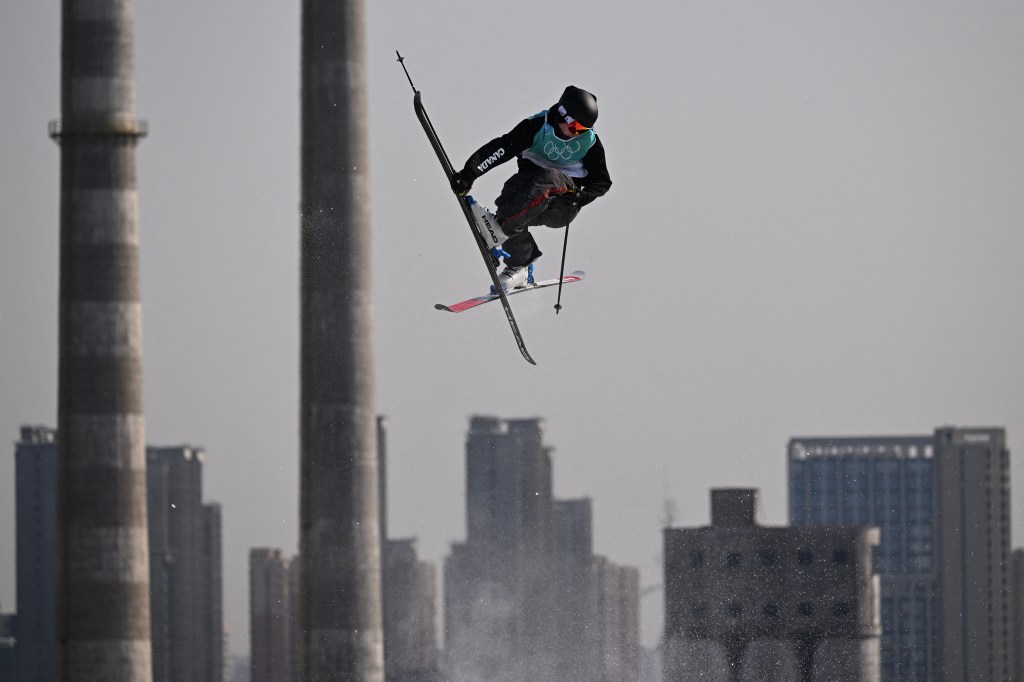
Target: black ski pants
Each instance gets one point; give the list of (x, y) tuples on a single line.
[(529, 198)]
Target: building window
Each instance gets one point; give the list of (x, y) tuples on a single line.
[(842, 609), (734, 610), (805, 557), (841, 557), (769, 557), (700, 612), (771, 610), (733, 559), (805, 609), (697, 559)]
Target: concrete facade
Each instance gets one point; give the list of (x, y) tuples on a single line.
[(103, 619), (886, 482), (749, 602), (972, 472), (35, 472), (339, 582)]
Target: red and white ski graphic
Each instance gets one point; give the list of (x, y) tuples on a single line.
[(462, 306)]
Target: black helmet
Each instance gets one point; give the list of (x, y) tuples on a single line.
[(579, 104)]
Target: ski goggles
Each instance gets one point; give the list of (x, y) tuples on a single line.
[(575, 127)]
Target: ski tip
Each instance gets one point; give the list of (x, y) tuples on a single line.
[(441, 306)]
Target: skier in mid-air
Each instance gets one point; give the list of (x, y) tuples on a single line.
[(561, 169)]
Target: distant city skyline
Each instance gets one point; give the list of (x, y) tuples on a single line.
[(883, 481), (823, 240), (852, 513)]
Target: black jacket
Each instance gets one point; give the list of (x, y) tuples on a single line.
[(519, 139)]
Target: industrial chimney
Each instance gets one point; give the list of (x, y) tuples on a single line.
[(340, 596), (103, 627)]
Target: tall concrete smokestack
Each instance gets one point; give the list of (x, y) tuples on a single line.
[(103, 629), (340, 602)]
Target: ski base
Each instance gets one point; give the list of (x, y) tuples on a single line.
[(468, 304)]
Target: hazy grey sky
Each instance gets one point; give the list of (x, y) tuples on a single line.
[(815, 229)]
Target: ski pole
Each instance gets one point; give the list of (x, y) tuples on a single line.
[(401, 60), (561, 272)]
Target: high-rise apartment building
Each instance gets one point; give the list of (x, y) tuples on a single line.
[(185, 569), (410, 595), (575, 634), (972, 480), (746, 602), (294, 633), (888, 483), (8, 646), (1017, 590), (409, 585), (212, 666), (36, 514), (525, 598), (615, 652), (270, 617)]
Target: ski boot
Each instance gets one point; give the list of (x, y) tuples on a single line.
[(487, 225), (514, 278)]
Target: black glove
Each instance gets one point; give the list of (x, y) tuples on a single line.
[(570, 200), (462, 182), (566, 207)]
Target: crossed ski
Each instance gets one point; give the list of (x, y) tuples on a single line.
[(446, 164)]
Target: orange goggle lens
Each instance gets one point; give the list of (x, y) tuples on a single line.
[(575, 127)]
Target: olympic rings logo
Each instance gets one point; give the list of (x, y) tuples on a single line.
[(562, 151)]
